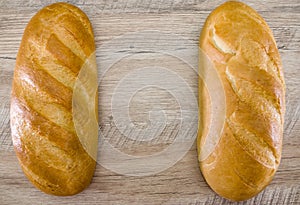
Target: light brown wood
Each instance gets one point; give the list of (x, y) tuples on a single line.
[(183, 182)]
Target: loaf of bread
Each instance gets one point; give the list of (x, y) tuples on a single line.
[(56, 44), (246, 154)]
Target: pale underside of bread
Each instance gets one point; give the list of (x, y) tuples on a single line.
[(242, 49), (55, 44)]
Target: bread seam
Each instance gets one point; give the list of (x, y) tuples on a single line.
[(260, 141), (87, 27)]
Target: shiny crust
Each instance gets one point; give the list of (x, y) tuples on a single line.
[(241, 47), (55, 44)]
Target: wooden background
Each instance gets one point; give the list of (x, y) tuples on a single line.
[(181, 183)]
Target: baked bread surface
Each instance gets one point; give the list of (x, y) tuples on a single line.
[(55, 45), (242, 49)]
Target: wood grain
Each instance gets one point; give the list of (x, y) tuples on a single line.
[(181, 183)]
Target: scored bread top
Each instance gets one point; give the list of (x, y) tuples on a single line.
[(242, 49), (56, 43)]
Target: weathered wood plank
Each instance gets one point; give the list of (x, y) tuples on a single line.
[(181, 183)]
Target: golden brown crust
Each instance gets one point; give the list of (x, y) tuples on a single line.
[(241, 47), (55, 44)]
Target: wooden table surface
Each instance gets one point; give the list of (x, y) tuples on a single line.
[(130, 36)]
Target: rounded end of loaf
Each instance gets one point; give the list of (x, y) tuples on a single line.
[(71, 185), (232, 173)]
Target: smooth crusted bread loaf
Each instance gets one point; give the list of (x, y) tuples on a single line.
[(56, 43), (242, 49)]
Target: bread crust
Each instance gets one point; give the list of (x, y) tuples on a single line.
[(242, 49), (55, 45)]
